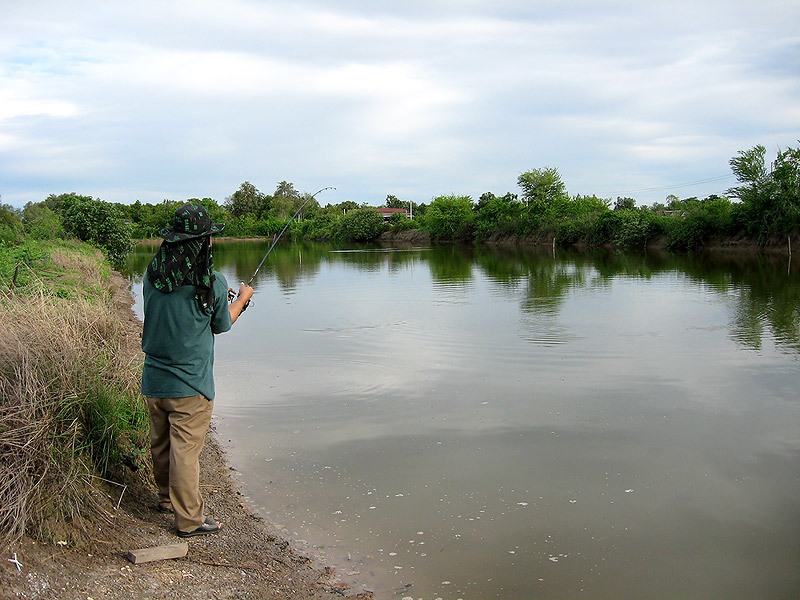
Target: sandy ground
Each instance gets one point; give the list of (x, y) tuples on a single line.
[(247, 559)]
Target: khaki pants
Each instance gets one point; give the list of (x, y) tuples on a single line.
[(177, 434)]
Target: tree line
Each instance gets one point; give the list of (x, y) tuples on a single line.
[(764, 205)]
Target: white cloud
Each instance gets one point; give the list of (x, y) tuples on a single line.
[(17, 105)]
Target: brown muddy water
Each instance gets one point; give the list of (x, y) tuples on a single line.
[(487, 423)]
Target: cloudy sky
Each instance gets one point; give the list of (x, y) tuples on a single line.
[(175, 99)]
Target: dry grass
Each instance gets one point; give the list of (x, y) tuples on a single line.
[(70, 409)]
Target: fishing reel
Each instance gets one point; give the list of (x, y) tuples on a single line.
[(232, 296)]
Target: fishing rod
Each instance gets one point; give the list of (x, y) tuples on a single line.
[(289, 222)]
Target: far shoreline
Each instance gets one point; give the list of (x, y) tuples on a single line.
[(774, 245)]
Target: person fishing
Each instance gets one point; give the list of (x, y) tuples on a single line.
[(185, 305)]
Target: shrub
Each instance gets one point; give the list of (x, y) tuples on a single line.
[(361, 225), (11, 229), (99, 224), (323, 226), (569, 233), (244, 226), (20, 261), (495, 215), (603, 229), (687, 234), (702, 220), (635, 228), (405, 224), (41, 223), (450, 218), (270, 226)]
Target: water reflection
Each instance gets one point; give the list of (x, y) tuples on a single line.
[(502, 423), (764, 296)]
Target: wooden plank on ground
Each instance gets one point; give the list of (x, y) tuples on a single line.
[(143, 555)]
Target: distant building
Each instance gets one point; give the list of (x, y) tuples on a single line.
[(388, 212)]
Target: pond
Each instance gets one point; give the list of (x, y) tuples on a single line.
[(447, 422)]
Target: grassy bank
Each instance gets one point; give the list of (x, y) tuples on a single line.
[(71, 418)]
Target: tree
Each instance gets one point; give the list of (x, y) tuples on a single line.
[(285, 201), (310, 207), (624, 204), (543, 191), (247, 200), (153, 218), (581, 206), (135, 211), (786, 175), (347, 205), (41, 223), (450, 217), (99, 224), (495, 215), (395, 202), (53, 201), (771, 199), (673, 202), (484, 199)]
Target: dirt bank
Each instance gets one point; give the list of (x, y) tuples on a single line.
[(246, 560)]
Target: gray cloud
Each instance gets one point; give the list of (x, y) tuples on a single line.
[(171, 100)]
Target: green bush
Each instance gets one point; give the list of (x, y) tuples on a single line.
[(11, 229), (244, 226), (323, 226), (703, 220), (270, 226), (8, 235), (569, 233), (41, 223), (114, 427), (450, 218), (361, 225), (687, 234), (147, 220), (635, 228), (21, 260), (603, 229), (405, 224), (582, 206), (496, 216), (99, 224)]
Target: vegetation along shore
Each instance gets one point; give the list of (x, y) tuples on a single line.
[(763, 209), (75, 482)]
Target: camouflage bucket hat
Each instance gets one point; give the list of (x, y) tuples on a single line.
[(190, 221)]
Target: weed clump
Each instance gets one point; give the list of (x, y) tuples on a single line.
[(71, 417)]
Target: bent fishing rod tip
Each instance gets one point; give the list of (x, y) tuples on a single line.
[(289, 222)]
